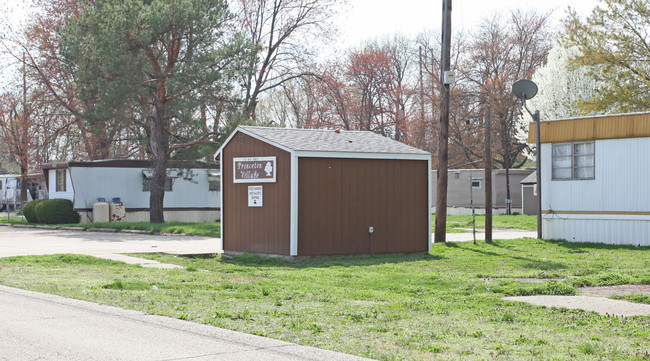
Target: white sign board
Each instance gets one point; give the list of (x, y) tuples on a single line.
[(255, 196), (254, 170)]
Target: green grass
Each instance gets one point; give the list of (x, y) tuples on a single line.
[(637, 298), (13, 219), (445, 305), (499, 221)]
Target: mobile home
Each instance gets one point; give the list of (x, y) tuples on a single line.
[(191, 189), (594, 179)]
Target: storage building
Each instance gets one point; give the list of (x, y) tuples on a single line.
[(594, 179), (298, 192)]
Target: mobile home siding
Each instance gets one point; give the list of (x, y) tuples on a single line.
[(340, 198), (622, 126), (69, 186), (612, 208), (266, 229)]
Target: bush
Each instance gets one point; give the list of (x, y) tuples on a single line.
[(56, 211), (29, 210)]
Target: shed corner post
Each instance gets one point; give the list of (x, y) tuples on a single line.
[(430, 213), (221, 181), (293, 248)]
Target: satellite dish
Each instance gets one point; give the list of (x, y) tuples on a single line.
[(524, 89)]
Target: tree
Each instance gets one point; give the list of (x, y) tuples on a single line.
[(504, 52), (613, 46), (281, 30), (161, 61), (562, 87)]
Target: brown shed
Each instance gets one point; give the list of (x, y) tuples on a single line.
[(301, 192)]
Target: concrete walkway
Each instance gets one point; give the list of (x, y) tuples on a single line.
[(496, 234), (600, 305), (47, 327)]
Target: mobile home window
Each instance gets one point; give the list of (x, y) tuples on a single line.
[(146, 184), (573, 161), (476, 184), (60, 180), (214, 182)]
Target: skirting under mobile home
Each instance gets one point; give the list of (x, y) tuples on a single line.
[(297, 192), (595, 175)]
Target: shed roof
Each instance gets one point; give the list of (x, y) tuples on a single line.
[(531, 179), (326, 140)]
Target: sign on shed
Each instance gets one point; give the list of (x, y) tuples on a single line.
[(255, 196), (254, 170)]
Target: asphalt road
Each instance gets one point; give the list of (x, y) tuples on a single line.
[(36, 326)]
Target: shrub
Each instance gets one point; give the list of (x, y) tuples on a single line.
[(29, 210), (56, 211)]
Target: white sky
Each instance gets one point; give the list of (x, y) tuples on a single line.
[(370, 19), (364, 20)]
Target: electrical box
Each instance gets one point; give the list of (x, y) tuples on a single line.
[(449, 77)]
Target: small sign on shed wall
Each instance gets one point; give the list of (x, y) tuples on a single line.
[(255, 196)]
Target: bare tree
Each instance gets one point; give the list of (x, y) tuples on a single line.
[(282, 30)]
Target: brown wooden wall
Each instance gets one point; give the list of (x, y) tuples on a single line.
[(250, 229), (338, 199)]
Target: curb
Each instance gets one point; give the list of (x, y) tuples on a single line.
[(136, 231), (47, 227), (23, 226), (105, 230), (80, 229)]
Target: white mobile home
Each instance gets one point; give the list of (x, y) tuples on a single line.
[(595, 175), (9, 191), (191, 189)]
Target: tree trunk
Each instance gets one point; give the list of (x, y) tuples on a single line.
[(159, 147)]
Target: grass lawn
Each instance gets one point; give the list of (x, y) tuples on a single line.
[(445, 305), (12, 219), (520, 221), (193, 229)]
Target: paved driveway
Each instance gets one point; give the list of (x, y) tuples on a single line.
[(30, 241)]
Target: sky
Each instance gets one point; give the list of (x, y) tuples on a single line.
[(367, 20), (370, 19)]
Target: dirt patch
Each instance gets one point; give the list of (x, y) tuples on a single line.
[(606, 291)]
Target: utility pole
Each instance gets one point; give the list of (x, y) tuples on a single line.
[(488, 175), (422, 132), (443, 156)]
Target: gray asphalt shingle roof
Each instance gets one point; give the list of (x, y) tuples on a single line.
[(531, 179), (325, 140)]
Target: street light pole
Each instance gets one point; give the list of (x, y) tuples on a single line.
[(526, 89), (538, 158)]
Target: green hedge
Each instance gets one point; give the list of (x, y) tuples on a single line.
[(50, 211), (29, 210)]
